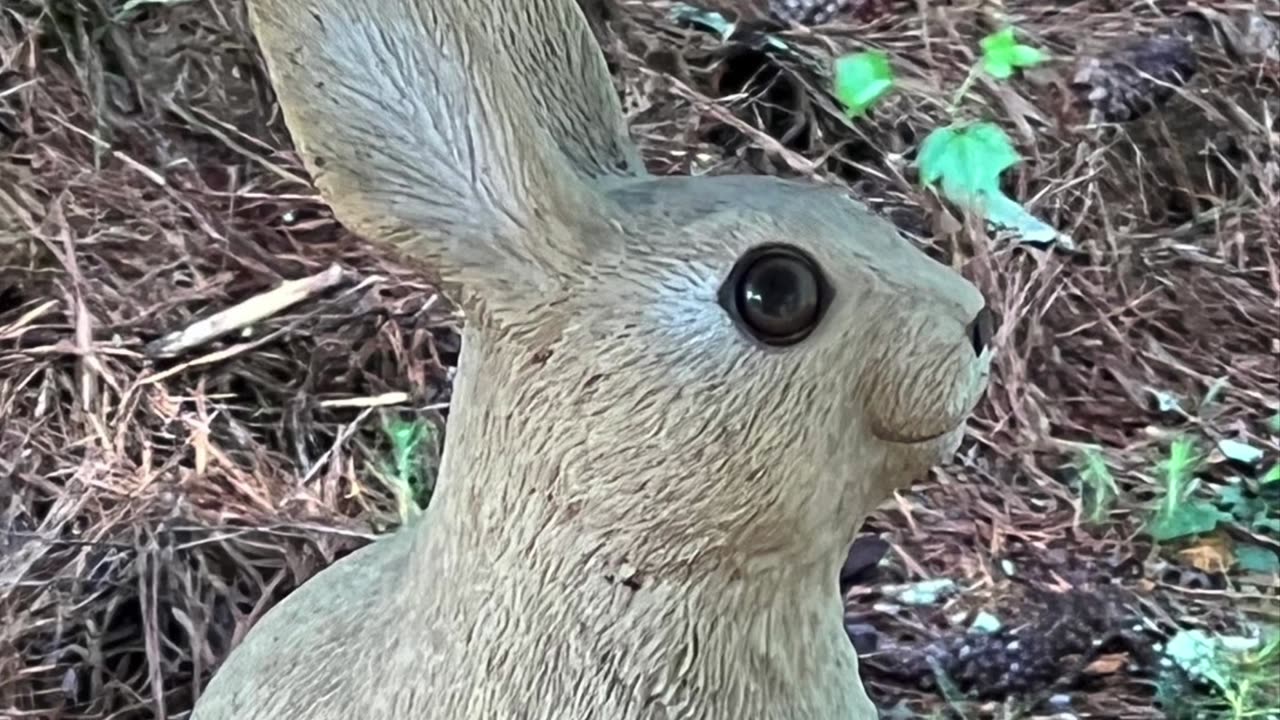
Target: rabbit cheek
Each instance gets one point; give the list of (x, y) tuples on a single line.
[(922, 398)]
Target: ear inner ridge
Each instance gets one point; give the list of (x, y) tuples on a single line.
[(417, 132)]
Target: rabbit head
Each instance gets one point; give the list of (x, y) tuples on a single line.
[(729, 367)]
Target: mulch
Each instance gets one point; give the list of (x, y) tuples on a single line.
[(183, 442)]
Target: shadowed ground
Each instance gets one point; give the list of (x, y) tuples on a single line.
[(159, 492)]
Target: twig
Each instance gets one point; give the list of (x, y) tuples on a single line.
[(16, 328), (341, 440), (237, 147), (245, 313), (389, 398), (150, 174)]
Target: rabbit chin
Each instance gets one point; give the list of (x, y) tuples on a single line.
[(949, 444), (945, 443), (914, 460)]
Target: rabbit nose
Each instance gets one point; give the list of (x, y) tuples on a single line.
[(981, 328)]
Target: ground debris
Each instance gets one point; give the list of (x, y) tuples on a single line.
[(1059, 639)]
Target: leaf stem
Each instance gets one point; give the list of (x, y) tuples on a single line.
[(964, 88)]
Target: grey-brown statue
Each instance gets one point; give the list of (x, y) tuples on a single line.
[(677, 397)]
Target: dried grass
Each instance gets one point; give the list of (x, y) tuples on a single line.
[(151, 506)]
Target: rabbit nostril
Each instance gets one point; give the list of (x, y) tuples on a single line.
[(981, 329)]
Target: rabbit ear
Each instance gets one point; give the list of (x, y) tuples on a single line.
[(458, 129), (553, 47)]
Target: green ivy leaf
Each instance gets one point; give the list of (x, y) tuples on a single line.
[(1201, 655), (1002, 54), (1258, 559), (860, 79), (968, 160), (1187, 518)]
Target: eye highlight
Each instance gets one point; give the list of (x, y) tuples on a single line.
[(776, 293)]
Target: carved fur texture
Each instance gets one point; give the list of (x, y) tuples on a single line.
[(642, 511)]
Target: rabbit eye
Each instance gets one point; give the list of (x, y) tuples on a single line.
[(776, 293)]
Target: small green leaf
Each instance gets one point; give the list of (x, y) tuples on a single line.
[(713, 21), (925, 592), (412, 463), (860, 79), (1179, 468), (1258, 559), (1275, 423), (998, 41), (1200, 655), (934, 158), (1009, 213), (1271, 476), (1187, 518), (406, 439), (967, 159), (1165, 400), (1266, 525), (1252, 511), (1027, 56), (998, 68), (1240, 452), (1002, 54), (1241, 506), (986, 623)]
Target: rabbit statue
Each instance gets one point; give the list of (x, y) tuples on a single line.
[(677, 397)]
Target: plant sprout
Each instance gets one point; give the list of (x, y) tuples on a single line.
[(861, 79), (1002, 54)]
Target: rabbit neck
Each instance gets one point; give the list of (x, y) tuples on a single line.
[(532, 613), (557, 631), (542, 637)]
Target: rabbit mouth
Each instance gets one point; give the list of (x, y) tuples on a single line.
[(904, 439)]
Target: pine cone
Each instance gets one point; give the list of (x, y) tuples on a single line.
[(1137, 80), (1014, 660), (807, 12)]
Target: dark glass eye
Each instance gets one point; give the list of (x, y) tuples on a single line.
[(776, 293)]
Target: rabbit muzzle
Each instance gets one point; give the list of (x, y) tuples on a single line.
[(928, 394)]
